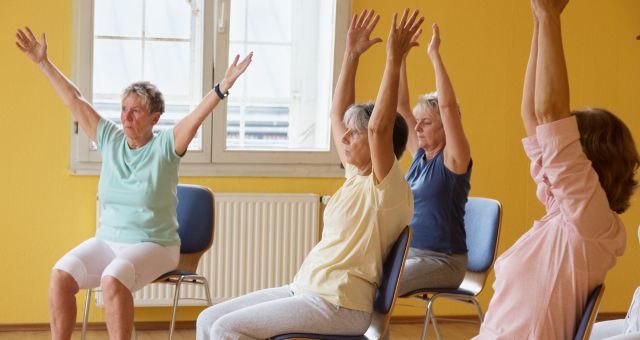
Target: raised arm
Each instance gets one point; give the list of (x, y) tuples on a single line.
[(552, 84), (384, 111), (187, 127), (457, 153), (404, 101), (344, 95), (527, 109), (80, 108)]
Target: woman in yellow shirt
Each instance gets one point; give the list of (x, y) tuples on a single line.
[(334, 289)]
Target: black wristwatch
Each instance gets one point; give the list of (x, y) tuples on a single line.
[(219, 93)]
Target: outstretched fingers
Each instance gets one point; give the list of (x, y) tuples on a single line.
[(373, 24), (246, 61)]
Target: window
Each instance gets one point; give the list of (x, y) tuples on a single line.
[(276, 120)]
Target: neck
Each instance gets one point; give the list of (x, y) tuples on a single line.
[(365, 170), (430, 152), (139, 141)]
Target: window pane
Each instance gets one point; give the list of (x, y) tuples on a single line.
[(283, 100), (164, 54), (118, 18), (116, 64), (167, 64), (168, 19), (269, 21), (238, 17), (270, 72)]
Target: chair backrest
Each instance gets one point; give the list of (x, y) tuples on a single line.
[(589, 315), (387, 293), (482, 219), (195, 214)]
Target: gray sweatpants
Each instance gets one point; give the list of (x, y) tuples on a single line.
[(270, 312), (429, 269)]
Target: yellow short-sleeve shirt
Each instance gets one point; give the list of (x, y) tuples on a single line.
[(361, 223)]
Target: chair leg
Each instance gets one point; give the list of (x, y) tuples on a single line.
[(436, 328), (478, 309), (434, 320), (206, 289), (176, 297), (85, 318), (427, 318)]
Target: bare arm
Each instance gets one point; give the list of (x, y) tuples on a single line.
[(187, 127), (457, 152), (404, 102), (384, 111), (552, 84), (527, 109), (358, 41), (81, 110)]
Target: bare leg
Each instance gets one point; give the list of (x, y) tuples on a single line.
[(118, 306), (62, 304)]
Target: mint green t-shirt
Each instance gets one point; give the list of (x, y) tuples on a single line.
[(137, 188)]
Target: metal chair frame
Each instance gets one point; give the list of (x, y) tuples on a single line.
[(472, 284)]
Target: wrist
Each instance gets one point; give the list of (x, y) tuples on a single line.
[(351, 56), (43, 63), (224, 85)]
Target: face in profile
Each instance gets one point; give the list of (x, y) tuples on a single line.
[(356, 146)]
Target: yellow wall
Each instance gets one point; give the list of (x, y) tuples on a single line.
[(44, 211)]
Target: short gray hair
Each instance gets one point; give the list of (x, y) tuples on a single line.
[(151, 97), (430, 101), (358, 115)]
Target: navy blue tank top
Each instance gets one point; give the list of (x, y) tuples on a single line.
[(439, 198)]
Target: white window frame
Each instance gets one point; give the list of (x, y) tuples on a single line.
[(213, 159)]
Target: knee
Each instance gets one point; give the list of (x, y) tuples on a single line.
[(207, 318), (62, 283), (112, 287), (223, 328)]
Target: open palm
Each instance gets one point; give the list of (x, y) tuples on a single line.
[(358, 37), (235, 70), (28, 44)]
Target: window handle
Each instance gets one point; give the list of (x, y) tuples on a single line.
[(222, 25)]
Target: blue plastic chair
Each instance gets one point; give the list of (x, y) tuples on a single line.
[(589, 315), (482, 220), (385, 297), (195, 212)]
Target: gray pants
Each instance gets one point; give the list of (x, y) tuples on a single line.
[(429, 269), (270, 312)]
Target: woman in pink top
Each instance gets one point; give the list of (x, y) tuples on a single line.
[(583, 163)]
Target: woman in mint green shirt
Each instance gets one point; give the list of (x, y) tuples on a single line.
[(137, 240)]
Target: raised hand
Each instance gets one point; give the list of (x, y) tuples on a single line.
[(434, 45), (541, 7), (358, 37), (30, 46), (234, 71), (402, 36)]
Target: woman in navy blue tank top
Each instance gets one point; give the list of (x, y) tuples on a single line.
[(439, 179)]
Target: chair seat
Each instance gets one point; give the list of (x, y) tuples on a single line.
[(175, 273), (456, 291), (319, 336)]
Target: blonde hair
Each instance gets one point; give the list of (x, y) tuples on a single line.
[(151, 97)]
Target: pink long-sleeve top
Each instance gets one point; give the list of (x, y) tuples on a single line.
[(544, 279)]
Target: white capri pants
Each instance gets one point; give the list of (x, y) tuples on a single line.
[(133, 264), (269, 312)]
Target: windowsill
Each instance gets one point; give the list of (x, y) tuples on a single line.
[(235, 170)]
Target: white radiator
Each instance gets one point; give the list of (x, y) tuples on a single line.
[(260, 241)]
